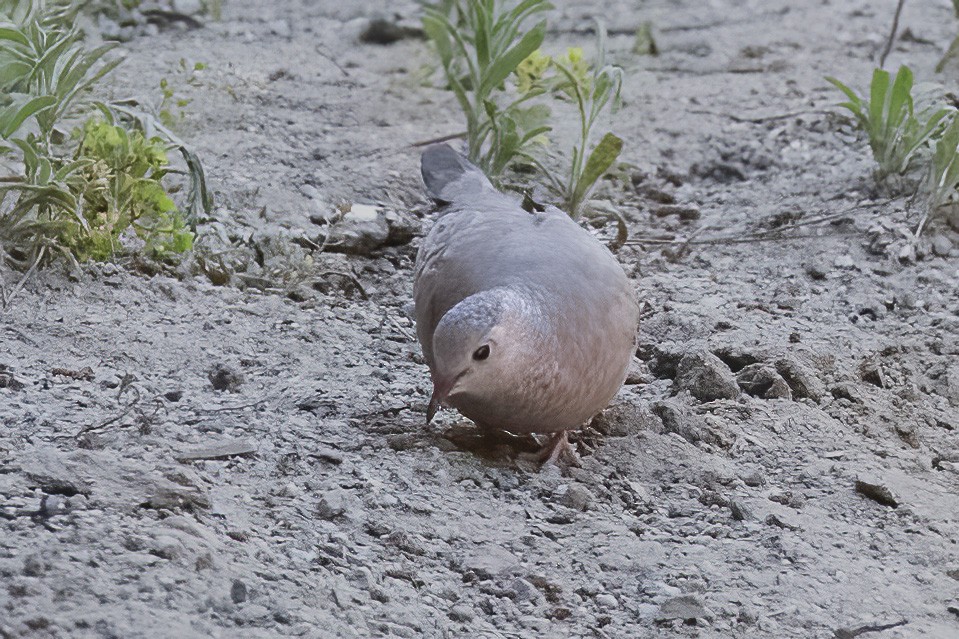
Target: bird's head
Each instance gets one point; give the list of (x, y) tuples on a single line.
[(476, 346)]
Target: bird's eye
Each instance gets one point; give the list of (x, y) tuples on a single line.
[(481, 353)]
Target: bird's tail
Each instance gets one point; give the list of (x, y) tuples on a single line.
[(449, 176)]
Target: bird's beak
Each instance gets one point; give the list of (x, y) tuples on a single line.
[(441, 388)]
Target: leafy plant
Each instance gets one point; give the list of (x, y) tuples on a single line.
[(95, 192), (480, 43), (121, 190), (897, 131), (171, 110), (942, 181), (592, 88), (44, 60)]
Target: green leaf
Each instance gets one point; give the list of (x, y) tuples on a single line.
[(878, 90), (855, 102), (23, 107), (599, 161), (507, 63)]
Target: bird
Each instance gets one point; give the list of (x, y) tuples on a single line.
[(526, 321)]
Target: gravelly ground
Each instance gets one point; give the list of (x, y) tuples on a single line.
[(341, 514)]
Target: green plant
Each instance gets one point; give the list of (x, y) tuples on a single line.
[(480, 44), (942, 181), (98, 191), (171, 109), (45, 60), (897, 131), (122, 191), (592, 88)]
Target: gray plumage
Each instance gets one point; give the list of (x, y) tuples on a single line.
[(526, 321)]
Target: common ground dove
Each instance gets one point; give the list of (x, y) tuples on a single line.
[(527, 322)]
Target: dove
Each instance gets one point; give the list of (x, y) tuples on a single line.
[(527, 322)]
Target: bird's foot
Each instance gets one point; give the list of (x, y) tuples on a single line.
[(557, 450)]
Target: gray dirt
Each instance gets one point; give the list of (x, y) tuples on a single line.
[(251, 459)]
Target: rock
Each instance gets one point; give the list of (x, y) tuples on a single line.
[(383, 31), (520, 589), (607, 601), (801, 379), (686, 213), (622, 420), (238, 591), (488, 560), (952, 385), (218, 450), (654, 194), (875, 490), (366, 228), (34, 566), (46, 470), (691, 427), (762, 380), (187, 7), (636, 374), (663, 359), (754, 478), (817, 271), (780, 521), (461, 613), (687, 608), (739, 510), (871, 373), (333, 504), (166, 547), (941, 245), (7, 380), (166, 495), (578, 497), (844, 261), (225, 378), (407, 543), (706, 377)]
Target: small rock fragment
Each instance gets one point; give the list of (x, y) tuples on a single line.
[(706, 377), (691, 427), (225, 378), (871, 373), (762, 380), (739, 510), (332, 504), (844, 261), (461, 613), (941, 245), (687, 608), (383, 31), (685, 213), (578, 497), (489, 560), (7, 380), (366, 228), (802, 381), (876, 491), (218, 450), (238, 591)]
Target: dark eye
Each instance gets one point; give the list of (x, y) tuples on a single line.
[(481, 353)]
